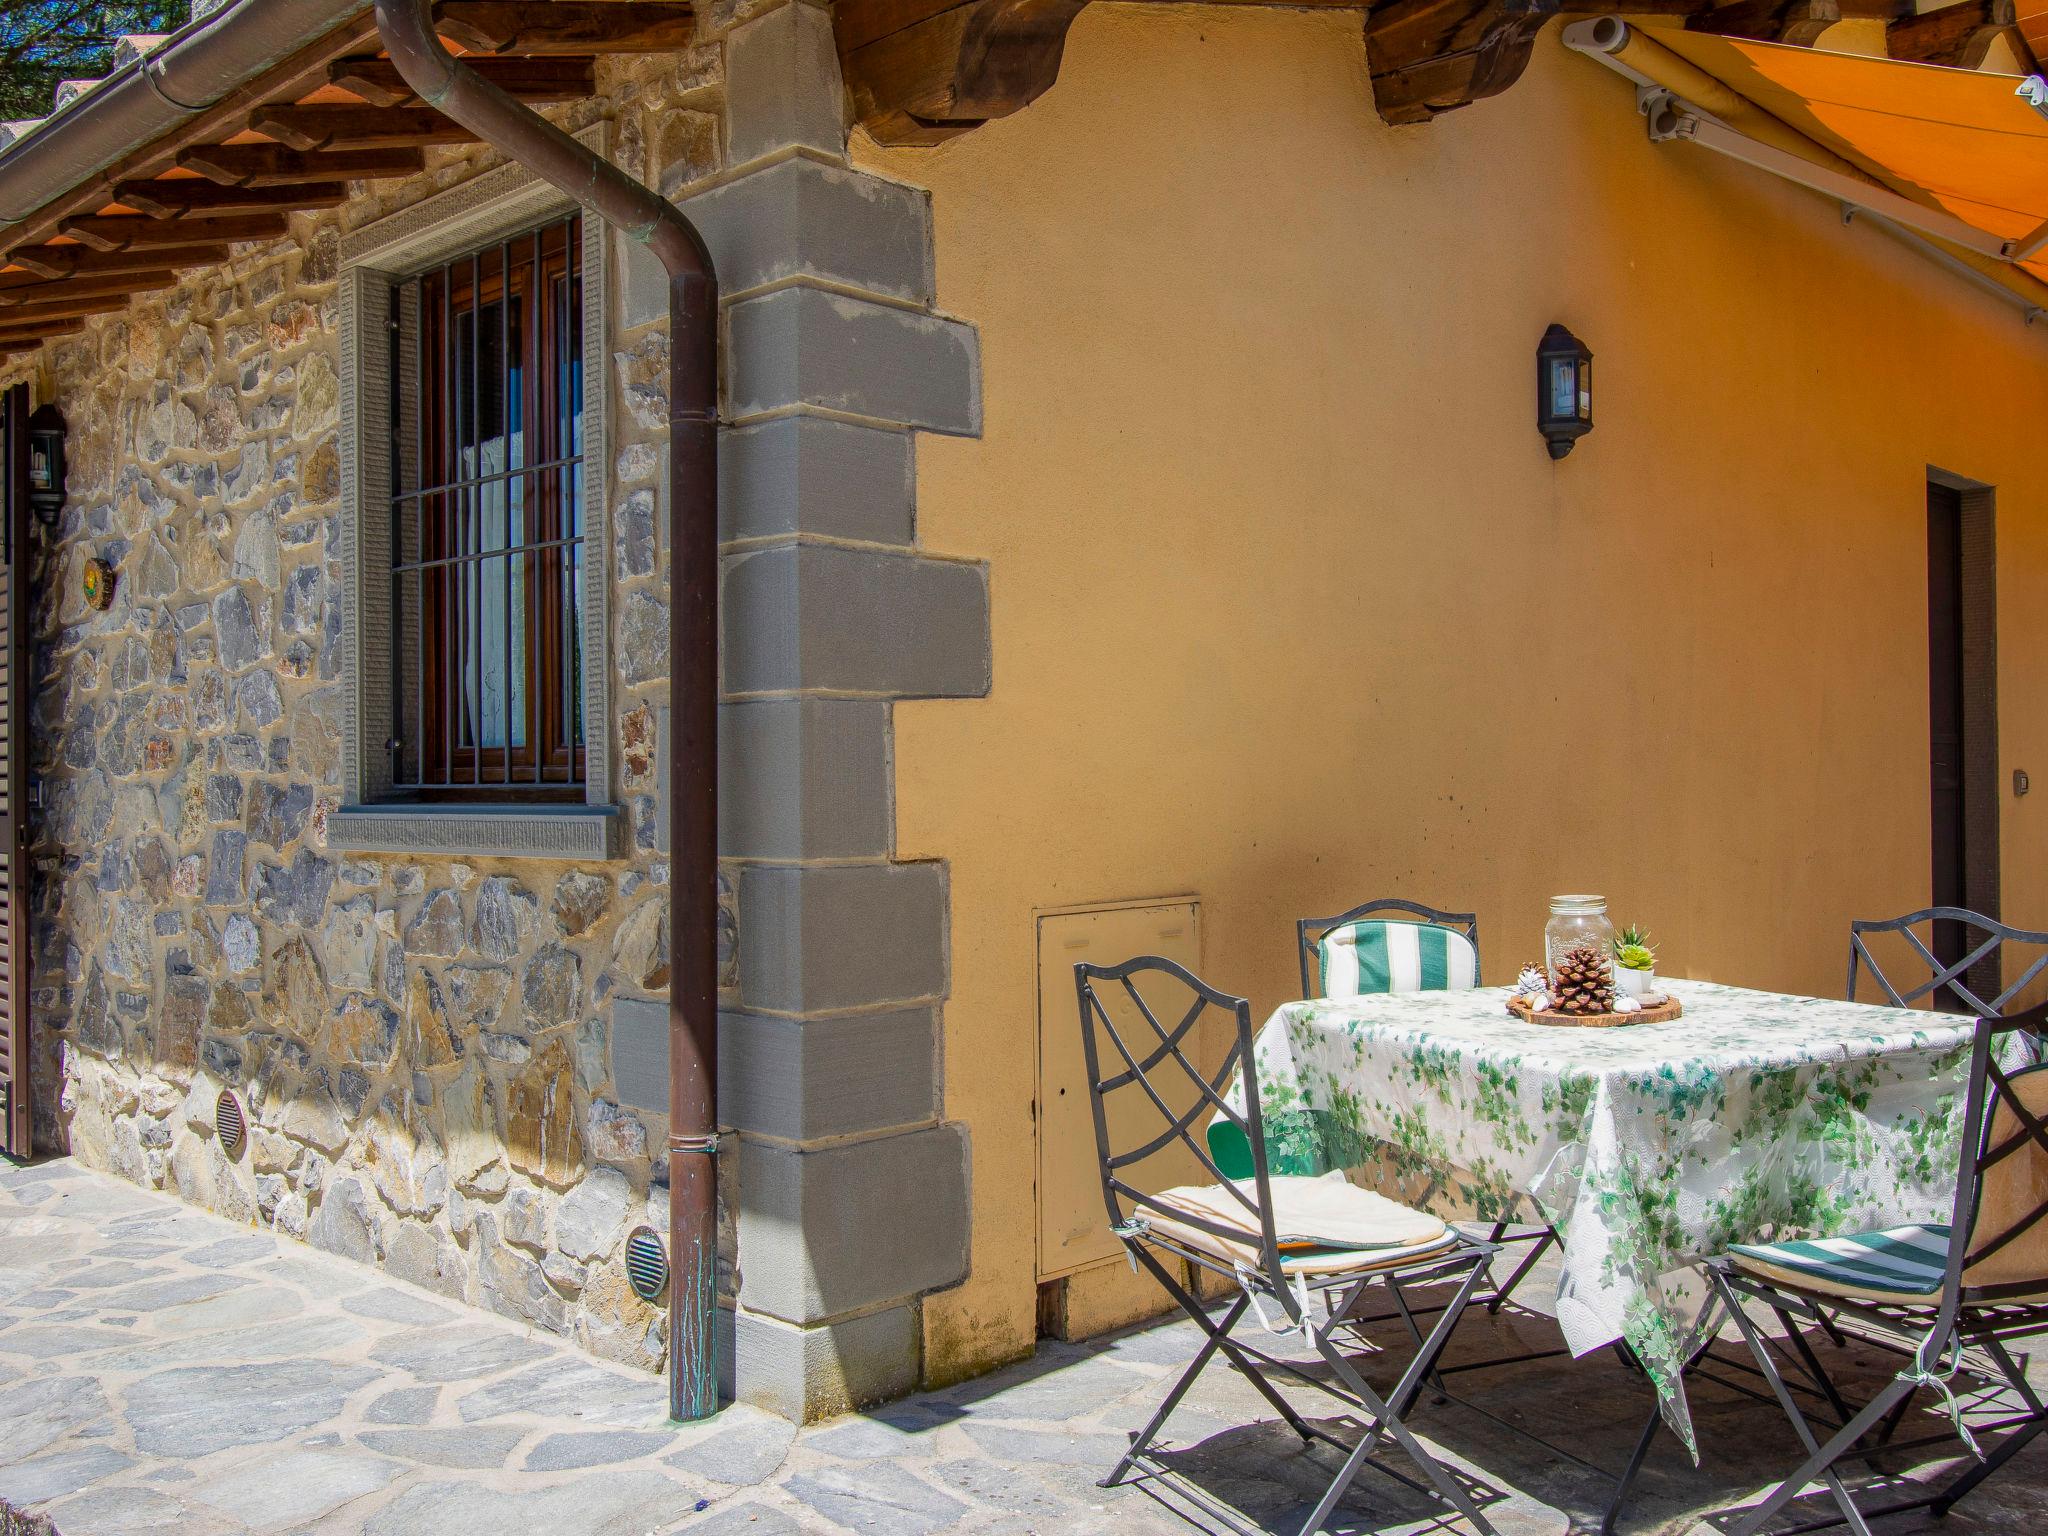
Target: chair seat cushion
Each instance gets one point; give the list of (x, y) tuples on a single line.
[(1324, 1225), (1897, 1264)]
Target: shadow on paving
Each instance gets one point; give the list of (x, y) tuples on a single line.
[(1550, 1436), (1536, 1444), (163, 1370)]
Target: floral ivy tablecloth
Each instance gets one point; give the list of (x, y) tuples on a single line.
[(1648, 1147)]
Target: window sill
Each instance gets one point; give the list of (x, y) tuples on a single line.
[(480, 831)]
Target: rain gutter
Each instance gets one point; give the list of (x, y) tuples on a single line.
[(147, 98), (524, 136)]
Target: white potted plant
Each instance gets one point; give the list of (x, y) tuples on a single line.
[(1635, 964)]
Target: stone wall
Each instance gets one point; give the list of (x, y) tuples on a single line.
[(458, 1069), (422, 1048)]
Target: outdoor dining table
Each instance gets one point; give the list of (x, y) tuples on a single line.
[(1648, 1147)]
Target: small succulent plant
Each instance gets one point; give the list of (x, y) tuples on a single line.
[(1633, 950)]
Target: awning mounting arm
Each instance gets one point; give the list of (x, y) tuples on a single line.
[(1669, 117), (2028, 245), (1983, 259)]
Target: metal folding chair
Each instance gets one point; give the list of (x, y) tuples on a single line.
[(1953, 985), (1933, 1292), (1387, 911), (1142, 1079)]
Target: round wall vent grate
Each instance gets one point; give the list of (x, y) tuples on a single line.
[(646, 1264), (228, 1124)]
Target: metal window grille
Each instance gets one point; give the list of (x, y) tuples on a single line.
[(487, 525)]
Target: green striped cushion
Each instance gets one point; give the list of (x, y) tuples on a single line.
[(1899, 1261), (1362, 959)]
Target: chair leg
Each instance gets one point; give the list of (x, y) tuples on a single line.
[(1629, 1473), (1699, 1339), (1515, 1277), (1235, 1355), (1814, 1370), (2014, 1442), (2010, 1446), (1892, 1421), (1386, 1414), (1821, 1459), (1424, 1365), (2015, 1375), (1414, 1333), (1142, 1442)]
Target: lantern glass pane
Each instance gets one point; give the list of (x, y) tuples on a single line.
[(1585, 389), (1563, 392)]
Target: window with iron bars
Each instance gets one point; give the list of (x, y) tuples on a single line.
[(487, 526)]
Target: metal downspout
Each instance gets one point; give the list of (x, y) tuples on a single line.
[(407, 29)]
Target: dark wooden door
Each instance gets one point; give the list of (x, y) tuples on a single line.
[(1945, 683), (16, 1133)]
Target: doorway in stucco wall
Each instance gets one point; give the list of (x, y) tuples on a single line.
[(1962, 707)]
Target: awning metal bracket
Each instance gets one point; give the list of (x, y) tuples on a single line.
[(1672, 117), (1669, 116)]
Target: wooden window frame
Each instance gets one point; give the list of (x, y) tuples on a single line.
[(555, 771), (371, 819)]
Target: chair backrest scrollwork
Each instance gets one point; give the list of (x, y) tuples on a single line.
[(1998, 1244), (1948, 981), (1143, 1079)]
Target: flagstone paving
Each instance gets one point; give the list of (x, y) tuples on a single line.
[(164, 1371)]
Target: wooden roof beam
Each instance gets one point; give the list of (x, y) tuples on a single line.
[(27, 340), (34, 287), (921, 71), (1798, 23), (20, 316), (1959, 36), (189, 195), (379, 83), (136, 232), (336, 127), (1428, 57), (274, 165), (567, 26), (954, 68), (55, 261)]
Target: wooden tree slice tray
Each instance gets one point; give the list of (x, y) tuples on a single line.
[(1663, 1013)]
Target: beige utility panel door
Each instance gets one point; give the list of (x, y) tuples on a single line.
[(1073, 1227)]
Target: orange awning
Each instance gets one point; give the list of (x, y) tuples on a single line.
[(1973, 144)]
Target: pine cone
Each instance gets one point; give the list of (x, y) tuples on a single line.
[(1583, 981)]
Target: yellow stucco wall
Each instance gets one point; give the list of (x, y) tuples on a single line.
[(1291, 609)]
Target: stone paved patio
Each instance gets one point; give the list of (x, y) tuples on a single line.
[(162, 1370)]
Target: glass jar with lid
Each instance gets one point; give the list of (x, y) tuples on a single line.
[(1579, 923)]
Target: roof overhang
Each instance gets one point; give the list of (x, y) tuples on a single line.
[(212, 135)]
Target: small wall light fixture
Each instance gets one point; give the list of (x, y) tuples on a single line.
[(46, 463), (1564, 390)]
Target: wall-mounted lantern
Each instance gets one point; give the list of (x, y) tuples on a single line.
[(46, 463), (1564, 390)]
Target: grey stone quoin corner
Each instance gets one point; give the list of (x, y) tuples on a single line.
[(830, 1046)]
